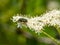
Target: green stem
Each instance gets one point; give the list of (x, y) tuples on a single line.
[(51, 37)]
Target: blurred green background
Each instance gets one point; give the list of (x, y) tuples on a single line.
[(10, 35)]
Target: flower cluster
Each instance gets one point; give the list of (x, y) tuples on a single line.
[(51, 18), (37, 23)]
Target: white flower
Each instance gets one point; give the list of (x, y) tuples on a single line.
[(19, 25), (33, 24), (16, 18), (55, 22), (37, 23), (50, 18)]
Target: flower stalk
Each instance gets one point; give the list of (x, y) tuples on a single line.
[(58, 42)]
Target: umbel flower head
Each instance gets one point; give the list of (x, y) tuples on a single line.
[(37, 23)]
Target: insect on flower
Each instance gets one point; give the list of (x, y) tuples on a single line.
[(22, 20), (51, 18)]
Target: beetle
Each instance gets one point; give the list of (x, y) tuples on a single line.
[(22, 20)]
